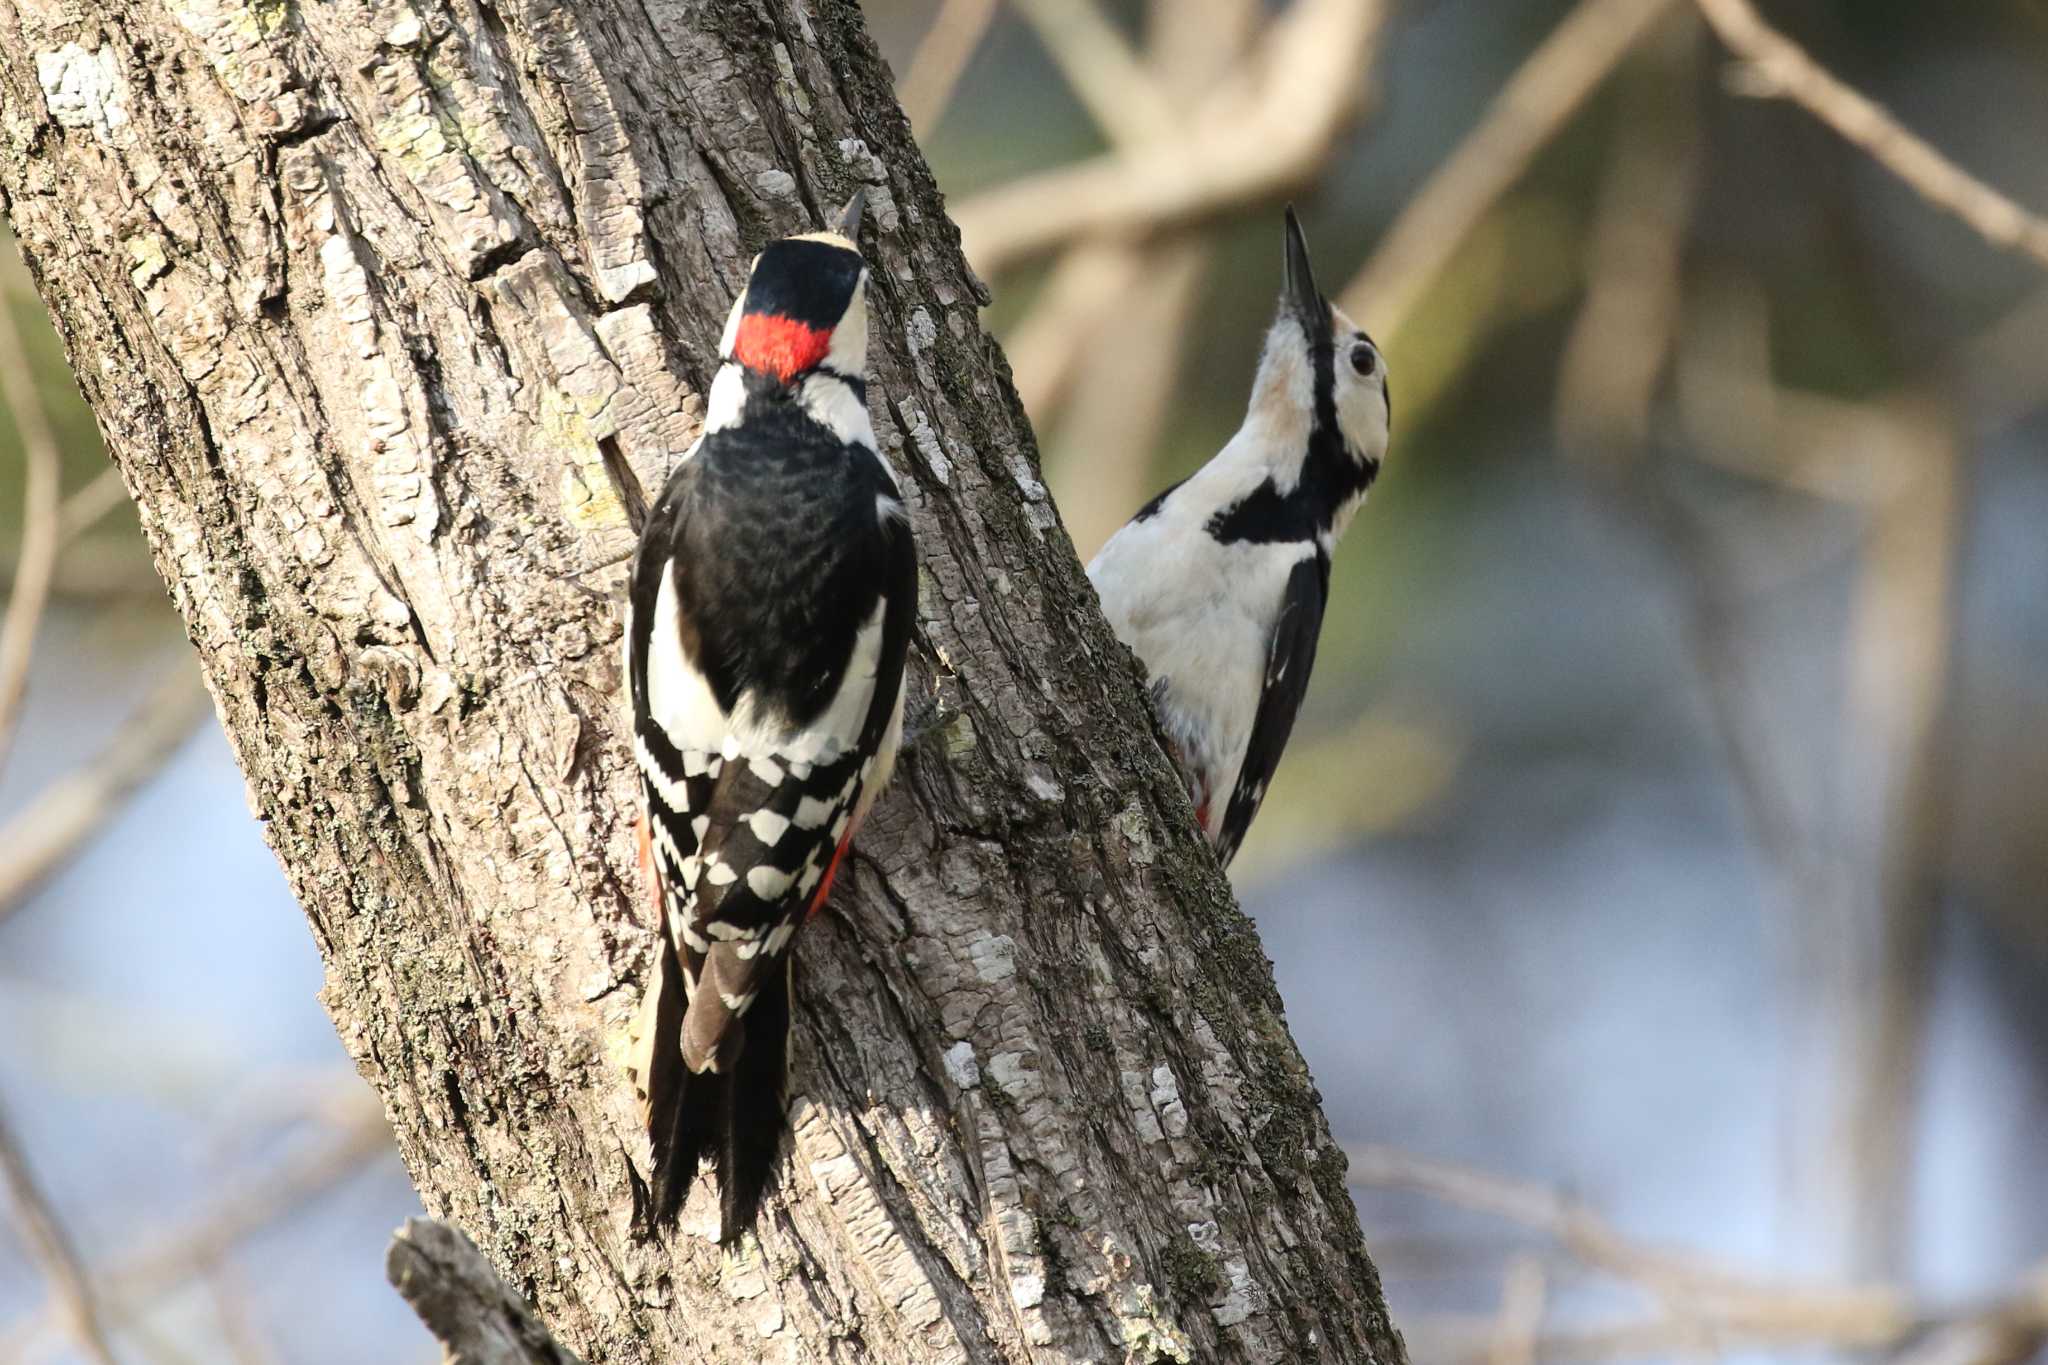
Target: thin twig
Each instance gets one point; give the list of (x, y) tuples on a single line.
[(1534, 105), (1786, 70), (940, 60), (73, 807), (1257, 135), (51, 1247), (1703, 1308), (39, 526), (1580, 1230)]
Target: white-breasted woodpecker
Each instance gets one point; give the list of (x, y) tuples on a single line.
[(1218, 584), (770, 610)]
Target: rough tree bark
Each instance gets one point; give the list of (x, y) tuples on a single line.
[(387, 309)]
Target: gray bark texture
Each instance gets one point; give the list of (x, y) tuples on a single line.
[(388, 311)]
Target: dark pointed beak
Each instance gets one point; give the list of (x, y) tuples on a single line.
[(1302, 297), (847, 224)]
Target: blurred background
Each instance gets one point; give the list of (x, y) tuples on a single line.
[(1658, 878)]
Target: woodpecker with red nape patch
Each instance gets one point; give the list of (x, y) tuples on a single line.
[(1219, 583), (769, 614)]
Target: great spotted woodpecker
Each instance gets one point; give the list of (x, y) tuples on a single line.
[(770, 609), (1218, 584)]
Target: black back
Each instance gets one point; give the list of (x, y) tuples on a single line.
[(779, 557)]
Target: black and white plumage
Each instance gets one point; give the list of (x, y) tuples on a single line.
[(1219, 583), (770, 610)]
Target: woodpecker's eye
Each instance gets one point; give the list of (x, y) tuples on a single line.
[(1363, 360)]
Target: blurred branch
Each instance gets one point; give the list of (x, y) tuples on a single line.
[(1047, 344), (176, 1257), (83, 509), (1258, 134), (1128, 365), (1535, 104), (75, 806), (237, 1316), (1785, 70), (1524, 1295), (2000, 371), (51, 1249), (1704, 1309), (940, 60), (1572, 1224), (470, 1310), (1110, 325), (1117, 89), (1901, 639), (1624, 331), (39, 523)]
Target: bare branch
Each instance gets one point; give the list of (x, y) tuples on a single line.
[(70, 809), (1623, 335), (179, 1255), (936, 67), (1127, 366), (1787, 71), (39, 535), (83, 509), (471, 1311), (1116, 88), (51, 1248), (1535, 104), (1253, 138), (1524, 1295)]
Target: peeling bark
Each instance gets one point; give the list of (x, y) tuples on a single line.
[(379, 306)]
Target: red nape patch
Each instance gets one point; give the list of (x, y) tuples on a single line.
[(779, 346)]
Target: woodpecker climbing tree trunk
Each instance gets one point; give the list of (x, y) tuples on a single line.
[(390, 312)]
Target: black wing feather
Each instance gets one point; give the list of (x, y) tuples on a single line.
[(1290, 656)]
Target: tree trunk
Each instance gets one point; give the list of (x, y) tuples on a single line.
[(388, 313)]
